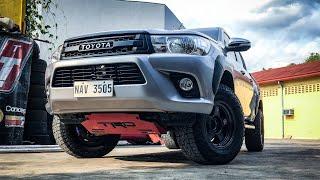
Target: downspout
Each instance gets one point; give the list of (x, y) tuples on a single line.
[(282, 106)]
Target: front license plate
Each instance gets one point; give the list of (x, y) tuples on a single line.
[(93, 88)]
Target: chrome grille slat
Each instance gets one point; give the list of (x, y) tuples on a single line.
[(121, 73), (129, 74), (126, 70), (130, 77)]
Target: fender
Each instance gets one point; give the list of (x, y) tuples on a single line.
[(217, 74), (219, 69)]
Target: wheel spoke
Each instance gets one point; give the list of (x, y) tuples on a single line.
[(211, 136), (216, 112), (220, 137), (224, 122), (221, 125), (212, 139)]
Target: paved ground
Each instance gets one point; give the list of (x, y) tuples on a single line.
[(280, 160)]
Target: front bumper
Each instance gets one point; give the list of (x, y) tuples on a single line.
[(158, 94)]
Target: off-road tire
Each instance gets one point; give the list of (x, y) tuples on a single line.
[(38, 65), (37, 91), (50, 130), (66, 138), (254, 138), (37, 78), (37, 104), (41, 139), (193, 139), (36, 128), (170, 140), (37, 116)]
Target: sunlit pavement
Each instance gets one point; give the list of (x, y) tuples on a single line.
[(284, 159)]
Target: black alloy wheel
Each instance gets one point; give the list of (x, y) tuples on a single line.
[(221, 126)]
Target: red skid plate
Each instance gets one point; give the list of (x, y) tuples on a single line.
[(124, 124)]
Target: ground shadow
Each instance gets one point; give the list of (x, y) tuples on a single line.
[(168, 157)]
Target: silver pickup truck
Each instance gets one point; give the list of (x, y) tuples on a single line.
[(193, 83)]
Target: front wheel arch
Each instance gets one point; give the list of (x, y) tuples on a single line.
[(227, 80), (221, 76)]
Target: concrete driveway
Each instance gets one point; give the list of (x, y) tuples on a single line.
[(281, 159)]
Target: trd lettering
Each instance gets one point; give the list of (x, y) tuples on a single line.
[(118, 124)]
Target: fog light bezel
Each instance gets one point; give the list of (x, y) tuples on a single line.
[(175, 77)]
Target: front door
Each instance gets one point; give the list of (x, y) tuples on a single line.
[(243, 86)]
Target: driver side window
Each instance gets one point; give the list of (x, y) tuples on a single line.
[(240, 60)]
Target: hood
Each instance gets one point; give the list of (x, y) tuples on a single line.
[(149, 31)]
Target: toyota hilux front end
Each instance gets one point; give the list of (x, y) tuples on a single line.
[(140, 78), (106, 85)]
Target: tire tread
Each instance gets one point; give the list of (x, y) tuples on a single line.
[(253, 136)]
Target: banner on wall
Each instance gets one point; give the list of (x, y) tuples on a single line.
[(15, 66)]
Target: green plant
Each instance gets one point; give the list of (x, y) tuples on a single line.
[(313, 57), (35, 24)]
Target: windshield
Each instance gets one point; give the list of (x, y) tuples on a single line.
[(212, 32)]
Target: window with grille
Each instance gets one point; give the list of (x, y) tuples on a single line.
[(269, 92), (303, 88)]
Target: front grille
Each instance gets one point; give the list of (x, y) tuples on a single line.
[(122, 44), (120, 73)]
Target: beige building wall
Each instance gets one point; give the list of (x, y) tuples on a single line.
[(304, 97)]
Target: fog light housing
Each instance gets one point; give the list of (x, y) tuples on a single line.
[(186, 84)]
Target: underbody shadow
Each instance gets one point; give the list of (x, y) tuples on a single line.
[(167, 157)]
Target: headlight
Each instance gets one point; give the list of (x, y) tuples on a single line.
[(56, 54), (194, 45)]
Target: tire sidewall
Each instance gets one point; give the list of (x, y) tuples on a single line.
[(259, 125), (227, 153), (65, 136), (85, 148), (254, 138)]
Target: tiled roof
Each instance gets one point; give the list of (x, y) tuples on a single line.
[(288, 73)]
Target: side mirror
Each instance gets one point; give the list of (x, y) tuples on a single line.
[(238, 44)]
